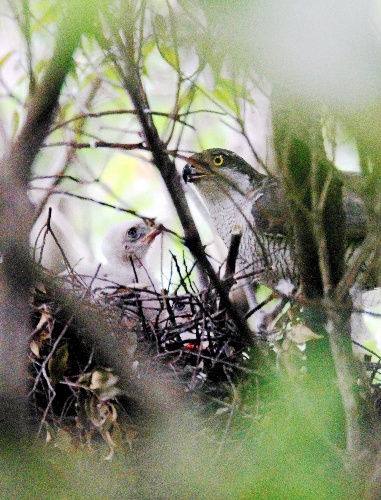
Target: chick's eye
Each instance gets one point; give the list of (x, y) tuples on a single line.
[(133, 233), (218, 160), (180, 306)]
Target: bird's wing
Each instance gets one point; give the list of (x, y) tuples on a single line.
[(269, 208)]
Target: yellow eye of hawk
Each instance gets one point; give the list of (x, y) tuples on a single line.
[(218, 160)]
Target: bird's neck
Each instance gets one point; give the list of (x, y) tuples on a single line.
[(216, 190), (227, 207)]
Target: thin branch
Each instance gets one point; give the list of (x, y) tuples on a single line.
[(70, 155), (317, 223), (96, 144), (231, 259), (27, 34), (149, 220), (371, 244), (82, 116)]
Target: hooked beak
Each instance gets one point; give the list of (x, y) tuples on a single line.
[(190, 174)]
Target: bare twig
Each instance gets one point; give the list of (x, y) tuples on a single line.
[(149, 220), (231, 259), (173, 116), (27, 34), (318, 202), (70, 155), (96, 144)]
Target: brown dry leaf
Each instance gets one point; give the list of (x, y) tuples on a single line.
[(35, 348), (45, 334), (104, 383), (45, 317), (48, 437), (40, 287), (102, 415), (45, 325)]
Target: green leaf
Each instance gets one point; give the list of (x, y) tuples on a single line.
[(187, 97), (225, 97), (235, 88), (4, 58), (227, 91), (40, 66), (16, 122), (147, 48), (111, 74), (170, 56)]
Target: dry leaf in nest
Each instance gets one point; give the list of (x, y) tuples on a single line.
[(35, 348), (40, 287), (102, 415), (103, 382), (43, 329), (46, 317)]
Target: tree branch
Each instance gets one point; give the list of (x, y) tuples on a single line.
[(16, 216), (318, 217)]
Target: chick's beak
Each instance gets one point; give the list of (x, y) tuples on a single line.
[(151, 236)]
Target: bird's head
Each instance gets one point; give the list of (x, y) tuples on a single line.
[(138, 238), (220, 165), (131, 238)]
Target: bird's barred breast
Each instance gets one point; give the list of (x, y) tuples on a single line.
[(270, 258)]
